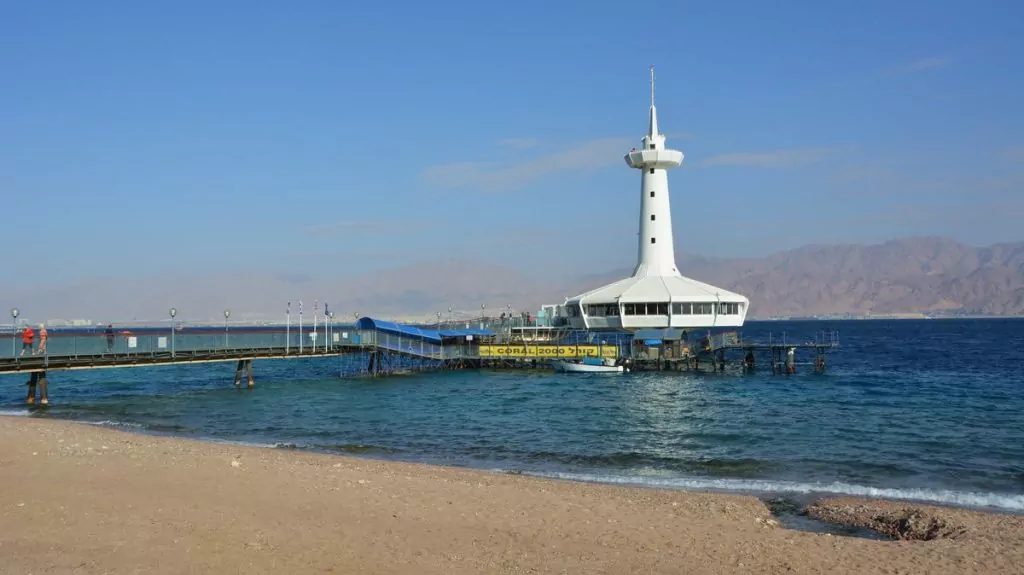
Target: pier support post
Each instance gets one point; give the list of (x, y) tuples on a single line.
[(248, 369), (238, 372), (44, 396), (33, 379), (37, 379)]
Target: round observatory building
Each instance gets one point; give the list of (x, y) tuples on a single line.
[(656, 295)]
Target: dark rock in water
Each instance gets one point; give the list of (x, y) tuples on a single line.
[(906, 523), (783, 506)]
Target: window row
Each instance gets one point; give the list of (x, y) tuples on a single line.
[(703, 308), (608, 310), (659, 308)]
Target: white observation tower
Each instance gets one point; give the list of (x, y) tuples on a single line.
[(656, 295)]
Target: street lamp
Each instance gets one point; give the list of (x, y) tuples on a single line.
[(173, 312), (438, 321), (483, 315), (227, 314), (330, 323), (14, 331)]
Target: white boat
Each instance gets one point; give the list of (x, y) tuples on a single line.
[(588, 365)]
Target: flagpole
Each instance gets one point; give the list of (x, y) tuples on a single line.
[(316, 307), (325, 327), (288, 328), (300, 327)]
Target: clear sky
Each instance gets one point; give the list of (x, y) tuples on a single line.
[(199, 136)]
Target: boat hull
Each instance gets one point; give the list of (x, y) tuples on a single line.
[(569, 367)]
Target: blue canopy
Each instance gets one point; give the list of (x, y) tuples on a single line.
[(431, 335), (667, 334)]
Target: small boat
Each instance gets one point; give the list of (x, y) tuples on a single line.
[(589, 365)]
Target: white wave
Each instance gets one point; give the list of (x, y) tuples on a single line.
[(238, 443), (112, 423), (1007, 501), (13, 412)]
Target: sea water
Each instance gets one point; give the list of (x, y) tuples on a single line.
[(931, 410)]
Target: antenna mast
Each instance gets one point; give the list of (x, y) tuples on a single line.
[(652, 86)]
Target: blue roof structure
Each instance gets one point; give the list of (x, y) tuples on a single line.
[(666, 334), (431, 335)]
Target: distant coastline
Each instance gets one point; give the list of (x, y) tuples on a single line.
[(901, 316)]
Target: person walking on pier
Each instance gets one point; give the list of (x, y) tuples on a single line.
[(28, 339), (109, 332), (43, 336)]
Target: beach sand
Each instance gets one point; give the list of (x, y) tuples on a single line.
[(77, 498)]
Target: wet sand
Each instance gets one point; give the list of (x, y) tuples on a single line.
[(83, 499)]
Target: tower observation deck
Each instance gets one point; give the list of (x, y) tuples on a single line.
[(656, 295)]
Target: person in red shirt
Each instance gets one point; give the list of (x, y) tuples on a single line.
[(28, 339)]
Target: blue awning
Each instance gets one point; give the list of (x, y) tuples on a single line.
[(667, 334), (431, 335)]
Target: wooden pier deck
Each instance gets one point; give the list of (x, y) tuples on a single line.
[(122, 360)]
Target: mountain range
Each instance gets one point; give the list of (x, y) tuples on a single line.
[(931, 275)]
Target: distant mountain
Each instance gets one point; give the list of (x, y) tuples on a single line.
[(927, 275), (930, 274)]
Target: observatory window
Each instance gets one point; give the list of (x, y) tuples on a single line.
[(651, 146), (652, 240), (628, 309), (652, 170), (652, 193), (662, 308), (729, 308), (652, 217), (682, 309), (703, 308)]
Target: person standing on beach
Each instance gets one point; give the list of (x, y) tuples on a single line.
[(28, 339), (43, 336)]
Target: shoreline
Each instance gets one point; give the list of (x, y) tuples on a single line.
[(87, 497), (792, 491)]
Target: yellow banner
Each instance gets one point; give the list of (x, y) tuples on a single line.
[(548, 351)]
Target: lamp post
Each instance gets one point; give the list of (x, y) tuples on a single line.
[(330, 335), (14, 331), (288, 328), (172, 312), (438, 321), (227, 314), (483, 315), (449, 315)]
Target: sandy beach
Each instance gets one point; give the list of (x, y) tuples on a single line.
[(84, 499)]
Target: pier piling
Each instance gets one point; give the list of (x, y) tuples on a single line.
[(244, 367), (37, 379)]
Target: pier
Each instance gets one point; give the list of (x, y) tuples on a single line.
[(375, 348)]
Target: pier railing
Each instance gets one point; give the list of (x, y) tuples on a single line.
[(153, 341)]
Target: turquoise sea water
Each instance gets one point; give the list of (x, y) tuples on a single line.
[(930, 410)]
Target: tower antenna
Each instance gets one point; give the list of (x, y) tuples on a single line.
[(652, 85)]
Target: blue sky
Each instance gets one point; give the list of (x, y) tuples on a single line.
[(139, 137)]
